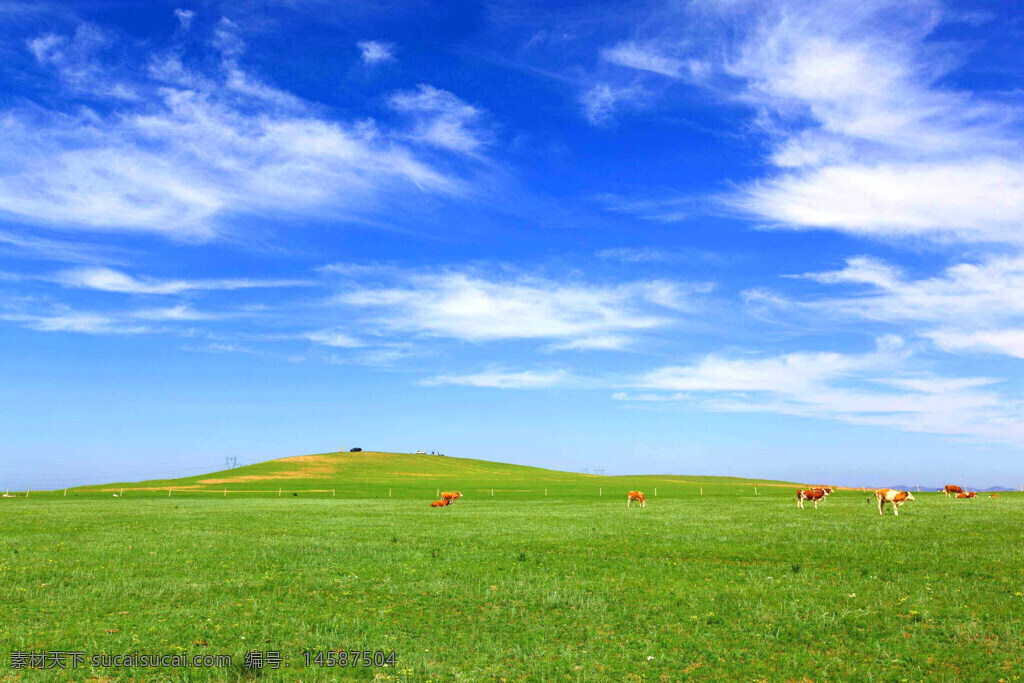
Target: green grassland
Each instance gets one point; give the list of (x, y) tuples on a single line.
[(570, 586)]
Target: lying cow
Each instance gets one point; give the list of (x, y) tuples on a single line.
[(967, 494), (440, 503), (893, 496), (994, 495), (951, 488), (451, 496), (636, 496), (809, 494)]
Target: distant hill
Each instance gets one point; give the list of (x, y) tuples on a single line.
[(403, 475)]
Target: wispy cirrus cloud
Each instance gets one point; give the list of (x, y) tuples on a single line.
[(498, 379), (879, 388), (475, 307), (865, 133), (441, 119), (110, 280), (967, 307), (375, 52), (190, 146)]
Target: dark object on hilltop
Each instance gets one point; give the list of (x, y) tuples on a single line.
[(355, 450)]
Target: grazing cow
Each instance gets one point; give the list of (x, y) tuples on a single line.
[(440, 503), (893, 496), (451, 496), (952, 488), (809, 494), (637, 496)]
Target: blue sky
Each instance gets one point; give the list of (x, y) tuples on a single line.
[(736, 237)]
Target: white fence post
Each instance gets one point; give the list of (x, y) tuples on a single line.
[(65, 493), (702, 490)]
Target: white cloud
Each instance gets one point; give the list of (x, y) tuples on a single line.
[(968, 307), (1009, 342), (867, 389), (868, 134), (606, 342), (648, 58), (109, 280), (333, 338), (81, 322), (184, 17), (602, 101), (527, 379), (442, 119), (190, 149), (791, 373), (871, 141), (374, 52), (974, 200), (469, 306)]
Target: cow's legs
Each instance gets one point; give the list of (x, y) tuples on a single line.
[(800, 503), (881, 502), (815, 503), (895, 508)]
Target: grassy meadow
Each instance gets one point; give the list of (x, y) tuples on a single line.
[(570, 586)]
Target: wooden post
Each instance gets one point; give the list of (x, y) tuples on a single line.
[(702, 490), (28, 492), (389, 493), (65, 493), (122, 494), (168, 491), (600, 491), (755, 489)]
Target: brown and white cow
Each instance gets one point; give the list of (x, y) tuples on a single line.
[(994, 495), (440, 503), (967, 494), (893, 496), (636, 496), (952, 488), (451, 496), (809, 494)]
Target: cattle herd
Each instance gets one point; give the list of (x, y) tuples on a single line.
[(814, 494)]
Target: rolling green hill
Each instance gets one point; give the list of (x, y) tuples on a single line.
[(407, 475)]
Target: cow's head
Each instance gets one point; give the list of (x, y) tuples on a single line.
[(910, 496)]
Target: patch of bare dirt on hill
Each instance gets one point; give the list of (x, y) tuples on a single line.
[(312, 466)]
